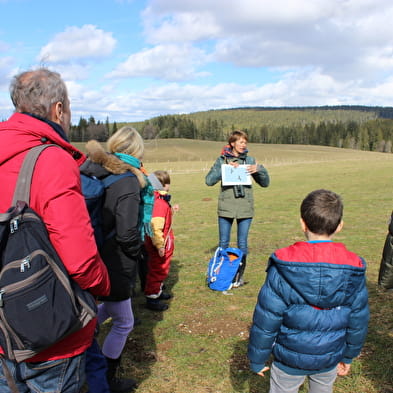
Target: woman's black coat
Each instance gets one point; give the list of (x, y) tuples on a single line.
[(122, 245)]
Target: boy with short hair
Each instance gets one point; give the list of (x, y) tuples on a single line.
[(312, 311)]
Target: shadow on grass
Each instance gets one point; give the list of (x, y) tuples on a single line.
[(377, 354), (140, 351), (242, 378)]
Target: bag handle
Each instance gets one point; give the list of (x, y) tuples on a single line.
[(213, 267), (22, 189)]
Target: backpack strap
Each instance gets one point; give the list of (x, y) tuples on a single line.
[(22, 189), (20, 199), (109, 180)]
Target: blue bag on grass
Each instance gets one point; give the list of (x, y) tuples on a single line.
[(222, 268)]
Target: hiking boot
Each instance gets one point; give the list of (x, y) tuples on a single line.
[(155, 304), (137, 321), (122, 385), (238, 281), (117, 384), (165, 296)]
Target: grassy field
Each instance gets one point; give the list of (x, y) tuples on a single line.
[(199, 345)]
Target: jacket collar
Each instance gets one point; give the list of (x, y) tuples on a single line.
[(55, 126), (22, 131)]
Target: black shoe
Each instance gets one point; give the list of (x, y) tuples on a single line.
[(122, 385), (165, 296), (238, 283), (156, 305)]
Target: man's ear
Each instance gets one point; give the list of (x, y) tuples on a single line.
[(56, 112), (339, 227)]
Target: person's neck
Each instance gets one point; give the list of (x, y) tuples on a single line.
[(310, 236), (57, 127)]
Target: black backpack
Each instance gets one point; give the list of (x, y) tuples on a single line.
[(93, 189), (39, 303)]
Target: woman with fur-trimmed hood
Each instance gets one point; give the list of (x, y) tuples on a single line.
[(122, 232)]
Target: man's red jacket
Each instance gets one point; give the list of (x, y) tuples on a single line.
[(56, 196)]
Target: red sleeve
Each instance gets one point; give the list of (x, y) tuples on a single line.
[(56, 197), (159, 208)]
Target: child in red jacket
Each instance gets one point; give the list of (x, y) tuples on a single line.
[(160, 244)]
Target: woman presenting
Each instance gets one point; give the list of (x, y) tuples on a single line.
[(236, 201)]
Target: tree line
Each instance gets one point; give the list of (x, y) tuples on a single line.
[(92, 129), (373, 135), (351, 129)]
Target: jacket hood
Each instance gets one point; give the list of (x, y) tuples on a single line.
[(323, 274), (21, 132), (107, 163), (156, 184)]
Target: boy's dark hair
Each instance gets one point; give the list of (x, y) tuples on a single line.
[(322, 211), (163, 177)]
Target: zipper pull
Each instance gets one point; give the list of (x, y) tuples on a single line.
[(25, 264), (14, 225)]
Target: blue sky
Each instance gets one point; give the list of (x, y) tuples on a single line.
[(136, 59)]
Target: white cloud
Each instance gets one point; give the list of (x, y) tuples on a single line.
[(321, 52), (302, 88), (86, 102), (345, 38), (7, 70), (180, 27), (84, 42), (169, 62), (74, 71)]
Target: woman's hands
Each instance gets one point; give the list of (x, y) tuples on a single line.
[(250, 168)]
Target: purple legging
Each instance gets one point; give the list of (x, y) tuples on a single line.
[(122, 324)]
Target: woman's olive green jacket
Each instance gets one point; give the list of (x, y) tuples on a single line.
[(236, 201)]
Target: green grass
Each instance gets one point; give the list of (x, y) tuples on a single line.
[(199, 345)]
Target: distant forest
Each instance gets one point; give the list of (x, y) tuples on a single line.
[(354, 127)]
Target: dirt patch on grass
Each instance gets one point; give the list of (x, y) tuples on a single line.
[(222, 326)]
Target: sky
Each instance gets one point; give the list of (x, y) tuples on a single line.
[(131, 60)]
